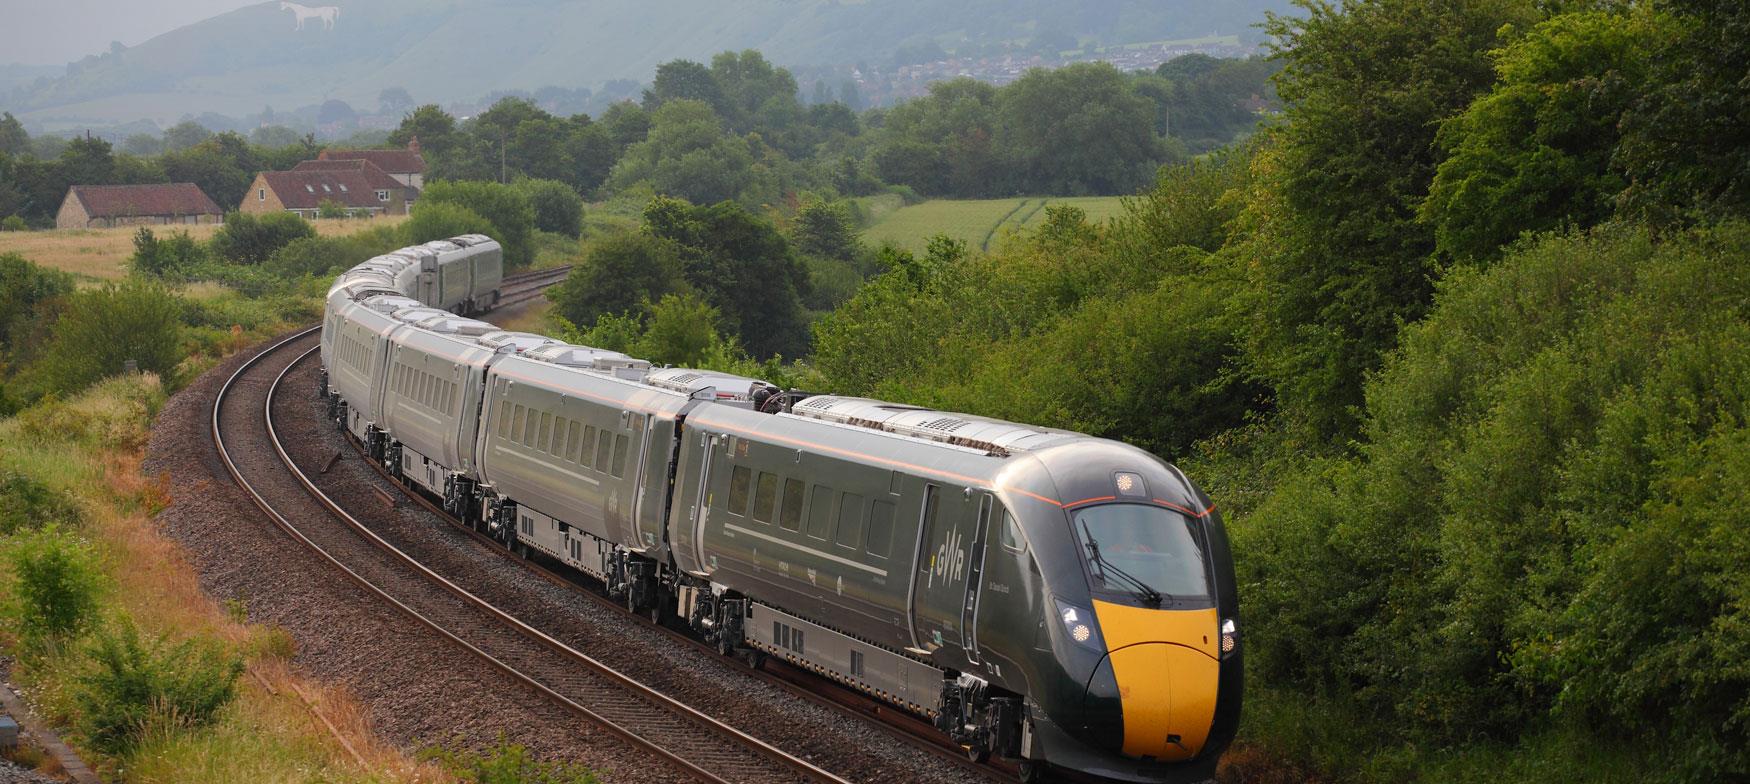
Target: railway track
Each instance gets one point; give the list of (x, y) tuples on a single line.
[(522, 287), (694, 744)]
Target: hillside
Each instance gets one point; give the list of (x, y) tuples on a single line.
[(462, 49)]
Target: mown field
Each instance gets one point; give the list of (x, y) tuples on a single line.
[(980, 223), (102, 254)]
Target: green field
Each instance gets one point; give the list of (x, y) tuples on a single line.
[(981, 223)]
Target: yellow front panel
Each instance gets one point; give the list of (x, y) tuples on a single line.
[(1168, 674)]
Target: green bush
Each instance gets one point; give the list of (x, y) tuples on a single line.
[(104, 327), (441, 220), (558, 208), (23, 286), (56, 582), (313, 256), (136, 686), (504, 207), (507, 763), (175, 253), (27, 504), (247, 238), (14, 223), (619, 274)]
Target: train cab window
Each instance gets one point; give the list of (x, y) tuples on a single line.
[(820, 513), (586, 453), (765, 497), (790, 516), (880, 528), (619, 456), (574, 440), (739, 481), (546, 436), (516, 428), (604, 449), (1012, 538), (850, 532)]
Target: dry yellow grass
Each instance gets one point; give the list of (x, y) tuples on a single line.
[(102, 254)]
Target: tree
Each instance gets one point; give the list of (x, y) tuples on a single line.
[(1535, 153), (440, 220), (558, 208), (678, 80), (1078, 129), (13, 140), (184, 135), (247, 238), (394, 100), (178, 251), (824, 230), (87, 161), (743, 267), (435, 129), (619, 275), (501, 205), (223, 166), (334, 111), (1338, 257), (687, 155), (23, 287)]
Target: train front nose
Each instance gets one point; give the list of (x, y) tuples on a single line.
[(1160, 676)]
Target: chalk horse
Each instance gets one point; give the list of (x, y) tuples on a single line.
[(326, 13)]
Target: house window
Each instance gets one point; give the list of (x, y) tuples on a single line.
[(382, 195), (261, 195)]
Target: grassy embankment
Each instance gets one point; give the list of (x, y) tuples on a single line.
[(102, 254), (980, 223)]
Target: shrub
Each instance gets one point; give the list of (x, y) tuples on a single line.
[(14, 223), (22, 286), (620, 274), (56, 582), (312, 256), (26, 504), (329, 208), (104, 327), (504, 207), (161, 257), (558, 208), (441, 220), (507, 763), (247, 238), (136, 685)]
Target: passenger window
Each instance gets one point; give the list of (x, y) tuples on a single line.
[(516, 429), (850, 532), (573, 441), (790, 517), (503, 415), (531, 428), (558, 449), (619, 456), (546, 431), (880, 528), (1012, 538), (603, 450), (820, 513), (739, 479), (765, 497), (587, 453)]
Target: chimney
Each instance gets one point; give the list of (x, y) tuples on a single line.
[(413, 145)]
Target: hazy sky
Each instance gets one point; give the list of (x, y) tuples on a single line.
[(53, 32)]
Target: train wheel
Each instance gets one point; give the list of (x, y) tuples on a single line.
[(1034, 772), (978, 754)]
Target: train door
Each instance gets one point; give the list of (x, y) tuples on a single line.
[(702, 503), (938, 587), (648, 527), (974, 580)]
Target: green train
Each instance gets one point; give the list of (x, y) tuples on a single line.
[(1064, 601)]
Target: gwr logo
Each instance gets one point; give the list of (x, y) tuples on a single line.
[(948, 562)]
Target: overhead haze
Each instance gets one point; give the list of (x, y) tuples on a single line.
[(60, 32)]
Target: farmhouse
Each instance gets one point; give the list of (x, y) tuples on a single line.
[(406, 166), (355, 185), (102, 206)]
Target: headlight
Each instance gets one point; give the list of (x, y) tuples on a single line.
[(1079, 624), (1230, 636)]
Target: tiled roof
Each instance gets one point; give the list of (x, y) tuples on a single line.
[(371, 170), (391, 161), (306, 190), (111, 201)]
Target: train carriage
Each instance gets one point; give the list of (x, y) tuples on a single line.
[(356, 337), (430, 385)]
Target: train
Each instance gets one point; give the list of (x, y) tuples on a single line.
[(1052, 598)]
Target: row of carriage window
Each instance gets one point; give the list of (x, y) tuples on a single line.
[(566, 439), (435, 393), (353, 352), (780, 500)]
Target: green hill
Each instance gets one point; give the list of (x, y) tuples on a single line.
[(980, 223), (452, 50)]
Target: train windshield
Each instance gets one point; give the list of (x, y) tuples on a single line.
[(1150, 553)]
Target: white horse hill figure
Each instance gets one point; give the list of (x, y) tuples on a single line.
[(326, 13)]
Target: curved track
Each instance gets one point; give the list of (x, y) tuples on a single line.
[(692, 743)]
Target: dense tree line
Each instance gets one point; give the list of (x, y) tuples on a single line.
[(1459, 345)]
